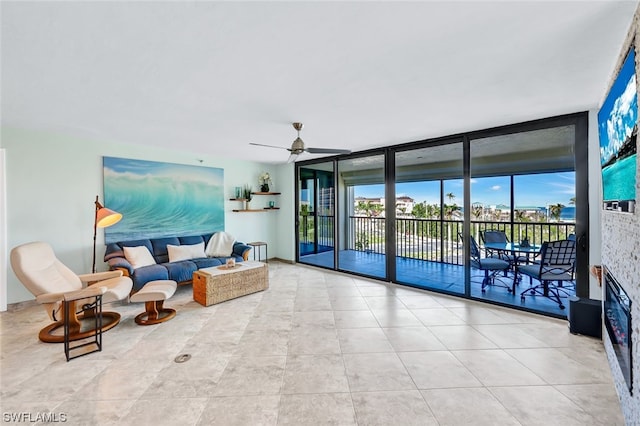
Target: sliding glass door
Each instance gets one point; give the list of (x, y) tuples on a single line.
[(412, 214), (363, 212), (316, 214), (429, 217)]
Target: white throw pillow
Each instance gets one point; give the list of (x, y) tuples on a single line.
[(185, 252), (139, 256)]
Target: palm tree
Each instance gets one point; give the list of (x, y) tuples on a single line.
[(555, 210), (477, 211), (521, 216), (572, 201), (451, 196)]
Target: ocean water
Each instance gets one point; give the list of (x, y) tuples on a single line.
[(619, 180), (160, 205)]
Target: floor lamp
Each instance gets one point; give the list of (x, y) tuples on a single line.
[(103, 219)]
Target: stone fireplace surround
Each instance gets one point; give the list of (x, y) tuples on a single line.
[(621, 255)]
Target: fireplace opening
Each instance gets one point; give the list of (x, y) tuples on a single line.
[(617, 321)]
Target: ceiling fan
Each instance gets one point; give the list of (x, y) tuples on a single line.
[(298, 147)]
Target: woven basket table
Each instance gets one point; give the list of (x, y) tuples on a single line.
[(219, 283)]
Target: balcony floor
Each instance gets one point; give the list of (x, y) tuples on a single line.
[(437, 276)]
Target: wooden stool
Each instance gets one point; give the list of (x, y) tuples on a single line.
[(256, 247), (154, 293)]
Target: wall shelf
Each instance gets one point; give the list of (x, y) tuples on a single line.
[(264, 209)]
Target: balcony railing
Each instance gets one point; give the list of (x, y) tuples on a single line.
[(426, 239)]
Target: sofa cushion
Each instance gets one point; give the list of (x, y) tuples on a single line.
[(160, 248), (195, 239), (139, 256), (143, 275), (185, 252), (208, 262), (181, 271)]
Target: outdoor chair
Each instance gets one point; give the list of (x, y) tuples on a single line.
[(497, 236), (556, 265), (490, 266)]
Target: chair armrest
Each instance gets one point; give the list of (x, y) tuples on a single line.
[(99, 276), (241, 250), (50, 298), (120, 263), (85, 293)]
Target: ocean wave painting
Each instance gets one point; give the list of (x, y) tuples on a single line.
[(162, 199)]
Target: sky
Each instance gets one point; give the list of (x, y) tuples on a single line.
[(529, 190)]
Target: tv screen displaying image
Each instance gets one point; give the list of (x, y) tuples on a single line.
[(618, 128)]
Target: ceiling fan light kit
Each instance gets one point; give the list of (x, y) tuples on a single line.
[(298, 146)]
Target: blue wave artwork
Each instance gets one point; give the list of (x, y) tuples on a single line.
[(162, 199)]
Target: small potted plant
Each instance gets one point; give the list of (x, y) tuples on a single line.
[(265, 181), (246, 195)]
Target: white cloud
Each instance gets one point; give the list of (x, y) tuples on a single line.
[(496, 187)]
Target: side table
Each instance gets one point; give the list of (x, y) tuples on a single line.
[(256, 247)]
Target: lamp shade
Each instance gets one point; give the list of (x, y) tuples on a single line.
[(106, 217)]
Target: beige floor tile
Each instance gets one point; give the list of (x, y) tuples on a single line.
[(404, 339), (313, 318), (363, 340), (241, 411), (271, 320), (455, 337), (510, 336), (392, 317), (252, 376), (376, 372), (263, 343), (556, 368), (176, 411), (437, 316), (312, 304), (417, 301), (355, 319), (479, 315), (315, 374), (494, 367), (315, 409), (467, 406), (437, 369), (384, 302), (372, 290), (311, 340), (392, 408), (349, 304), (541, 405), (601, 401)]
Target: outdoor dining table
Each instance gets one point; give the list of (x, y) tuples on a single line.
[(515, 251)]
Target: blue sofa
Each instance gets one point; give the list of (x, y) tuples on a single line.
[(181, 272)]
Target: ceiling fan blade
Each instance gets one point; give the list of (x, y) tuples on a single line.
[(270, 146), (327, 151), (292, 158)]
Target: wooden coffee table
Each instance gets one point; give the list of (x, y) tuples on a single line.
[(219, 283)]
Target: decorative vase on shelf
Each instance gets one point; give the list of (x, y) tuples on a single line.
[(264, 187)]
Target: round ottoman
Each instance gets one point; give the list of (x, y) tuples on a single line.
[(153, 294)]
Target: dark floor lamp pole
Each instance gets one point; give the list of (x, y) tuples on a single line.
[(104, 218)]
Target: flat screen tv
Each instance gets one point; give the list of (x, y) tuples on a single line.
[(618, 128)]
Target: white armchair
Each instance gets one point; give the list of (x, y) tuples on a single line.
[(49, 280)]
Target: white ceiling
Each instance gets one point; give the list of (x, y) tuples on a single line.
[(210, 77)]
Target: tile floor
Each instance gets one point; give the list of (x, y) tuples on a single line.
[(316, 348)]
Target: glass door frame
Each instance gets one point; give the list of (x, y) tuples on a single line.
[(578, 120)]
